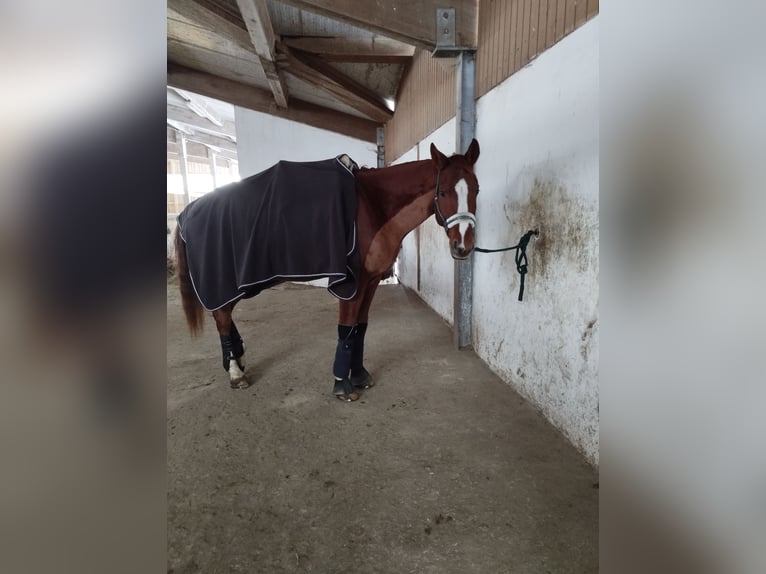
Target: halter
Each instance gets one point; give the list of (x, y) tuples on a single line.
[(453, 220)]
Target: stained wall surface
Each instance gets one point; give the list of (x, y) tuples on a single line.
[(538, 132)]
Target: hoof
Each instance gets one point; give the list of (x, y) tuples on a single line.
[(241, 383), (362, 380), (344, 391)]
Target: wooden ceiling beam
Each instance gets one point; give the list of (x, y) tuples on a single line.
[(351, 47), (198, 16), (410, 22), (256, 16), (262, 101), (323, 76), (366, 59)]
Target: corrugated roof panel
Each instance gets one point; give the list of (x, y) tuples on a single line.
[(290, 21), (286, 20), (301, 90), (226, 9)]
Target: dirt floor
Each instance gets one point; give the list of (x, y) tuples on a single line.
[(439, 468)]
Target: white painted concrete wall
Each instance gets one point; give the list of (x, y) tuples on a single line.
[(406, 266), (434, 283), (263, 140), (538, 167)]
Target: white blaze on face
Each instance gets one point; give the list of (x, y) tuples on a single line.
[(461, 188)]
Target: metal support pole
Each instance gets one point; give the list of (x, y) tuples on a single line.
[(381, 147), (184, 170), (466, 128), (213, 164)]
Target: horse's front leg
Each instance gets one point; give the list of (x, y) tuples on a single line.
[(348, 368), (360, 378), (232, 349)]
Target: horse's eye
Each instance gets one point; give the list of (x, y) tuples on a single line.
[(442, 194)]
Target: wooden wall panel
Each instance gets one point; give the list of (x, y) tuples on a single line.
[(509, 20), (569, 19), (560, 15), (425, 101), (534, 28), (592, 8), (498, 33), (511, 34), (525, 32), (581, 12), (550, 33), (514, 32)]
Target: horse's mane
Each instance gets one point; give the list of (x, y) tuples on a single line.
[(366, 168)]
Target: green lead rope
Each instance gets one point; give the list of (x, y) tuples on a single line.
[(520, 256)]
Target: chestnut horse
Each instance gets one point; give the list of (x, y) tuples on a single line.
[(391, 202)]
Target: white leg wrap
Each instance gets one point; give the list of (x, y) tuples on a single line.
[(235, 373)]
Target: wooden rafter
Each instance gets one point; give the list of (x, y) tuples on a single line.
[(410, 22), (261, 100), (256, 16), (366, 59), (321, 75), (373, 50)]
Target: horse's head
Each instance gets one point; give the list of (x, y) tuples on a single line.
[(455, 197)]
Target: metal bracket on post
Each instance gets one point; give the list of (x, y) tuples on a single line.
[(446, 36), (445, 31)]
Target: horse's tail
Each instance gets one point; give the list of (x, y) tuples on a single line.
[(195, 314)]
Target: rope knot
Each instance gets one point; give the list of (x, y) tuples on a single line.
[(520, 256)]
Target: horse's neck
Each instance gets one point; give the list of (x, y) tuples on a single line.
[(392, 202), (400, 195)]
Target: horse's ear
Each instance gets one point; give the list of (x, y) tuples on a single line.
[(472, 153), (439, 158)]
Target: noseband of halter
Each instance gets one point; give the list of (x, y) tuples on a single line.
[(453, 220)]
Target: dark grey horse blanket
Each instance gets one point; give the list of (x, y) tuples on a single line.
[(293, 221)]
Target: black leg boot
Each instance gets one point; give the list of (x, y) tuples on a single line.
[(360, 378), (228, 346), (341, 368), (238, 346), (227, 349)]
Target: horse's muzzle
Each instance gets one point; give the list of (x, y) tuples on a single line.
[(458, 252)]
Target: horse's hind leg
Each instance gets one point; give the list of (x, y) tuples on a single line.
[(232, 348), (341, 369)]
